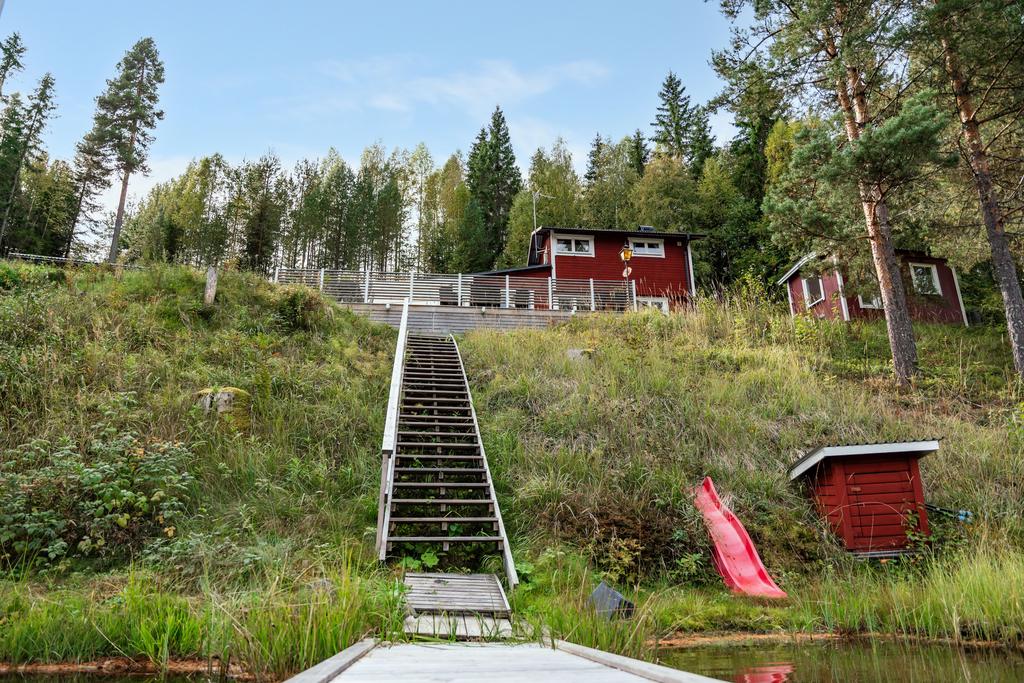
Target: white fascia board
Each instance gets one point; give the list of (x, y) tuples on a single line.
[(799, 264), (813, 458)]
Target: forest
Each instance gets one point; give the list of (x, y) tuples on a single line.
[(861, 128)]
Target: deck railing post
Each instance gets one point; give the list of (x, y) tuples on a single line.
[(276, 271), (321, 279), (366, 287), (551, 298), (593, 302), (633, 283), (412, 287), (508, 293), (459, 291)]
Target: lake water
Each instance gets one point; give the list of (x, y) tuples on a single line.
[(863, 662)]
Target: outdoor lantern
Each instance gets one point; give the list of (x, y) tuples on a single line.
[(626, 252)]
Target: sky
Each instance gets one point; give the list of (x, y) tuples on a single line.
[(299, 77)]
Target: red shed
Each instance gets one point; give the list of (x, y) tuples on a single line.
[(869, 493)]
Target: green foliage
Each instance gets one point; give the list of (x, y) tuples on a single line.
[(302, 309), (101, 499)]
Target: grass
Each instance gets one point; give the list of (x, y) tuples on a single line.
[(271, 564)]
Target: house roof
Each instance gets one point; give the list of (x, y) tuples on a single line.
[(799, 264), (614, 231), (806, 463), (513, 271)]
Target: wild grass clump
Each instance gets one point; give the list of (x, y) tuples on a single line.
[(976, 595), (285, 627)]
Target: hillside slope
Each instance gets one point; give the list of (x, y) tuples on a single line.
[(133, 523)]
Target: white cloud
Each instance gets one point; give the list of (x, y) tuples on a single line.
[(400, 83)]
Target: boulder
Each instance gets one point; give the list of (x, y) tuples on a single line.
[(230, 404)]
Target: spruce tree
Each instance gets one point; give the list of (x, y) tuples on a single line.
[(700, 144), (11, 52), (672, 122), (28, 142), (494, 180), (639, 152), (126, 114), (92, 175), (594, 159)]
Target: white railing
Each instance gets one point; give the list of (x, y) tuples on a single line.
[(390, 440), (481, 290)]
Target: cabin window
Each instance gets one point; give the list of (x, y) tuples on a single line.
[(647, 247), (870, 301), (574, 246), (658, 302), (814, 292), (925, 277)]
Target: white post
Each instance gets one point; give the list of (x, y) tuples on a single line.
[(276, 270), (459, 293), (321, 279), (412, 287), (551, 300), (593, 304), (633, 282), (508, 293), (366, 288)]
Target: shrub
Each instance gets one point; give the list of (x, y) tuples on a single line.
[(302, 309), (105, 499)]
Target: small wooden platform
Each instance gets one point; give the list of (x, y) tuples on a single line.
[(437, 593), (457, 627), (559, 662)]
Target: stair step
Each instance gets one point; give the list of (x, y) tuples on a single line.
[(444, 539), (436, 456), (419, 433), (440, 470), (442, 501), (439, 484), (435, 520), (427, 444)]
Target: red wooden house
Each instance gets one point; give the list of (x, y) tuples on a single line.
[(661, 269), (932, 285), (871, 494)]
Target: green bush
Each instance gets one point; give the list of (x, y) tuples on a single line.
[(302, 309), (105, 499)]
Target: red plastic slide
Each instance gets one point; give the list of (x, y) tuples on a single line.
[(735, 556)]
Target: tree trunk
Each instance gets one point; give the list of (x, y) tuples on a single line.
[(74, 220), (118, 221), (853, 103), (1003, 267)]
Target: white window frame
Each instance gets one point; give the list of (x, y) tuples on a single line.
[(808, 304), (645, 251), (874, 302), (659, 302), (574, 238), (935, 278)]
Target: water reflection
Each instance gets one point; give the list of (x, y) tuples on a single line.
[(830, 661)]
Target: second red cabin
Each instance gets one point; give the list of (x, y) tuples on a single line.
[(871, 494)]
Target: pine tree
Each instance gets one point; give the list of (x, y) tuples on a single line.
[(672, 122), (978, 45), (126, 114), (11, 52), (839, 51), (29, 141), (639, 153)]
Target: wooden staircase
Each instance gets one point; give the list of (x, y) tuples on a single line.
[(436, 488)]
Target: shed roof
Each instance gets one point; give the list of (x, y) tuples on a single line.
[(616, 231), (804, 464), (799, 264)]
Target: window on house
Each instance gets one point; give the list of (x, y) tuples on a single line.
[(658, 302), (814, 292), (870, 301), (576, 246), (647, 247), (925, 277)]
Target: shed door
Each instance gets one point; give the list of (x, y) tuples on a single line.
[(881, 496)]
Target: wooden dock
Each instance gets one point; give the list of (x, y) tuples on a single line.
[(559, 662), (458, 319)]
